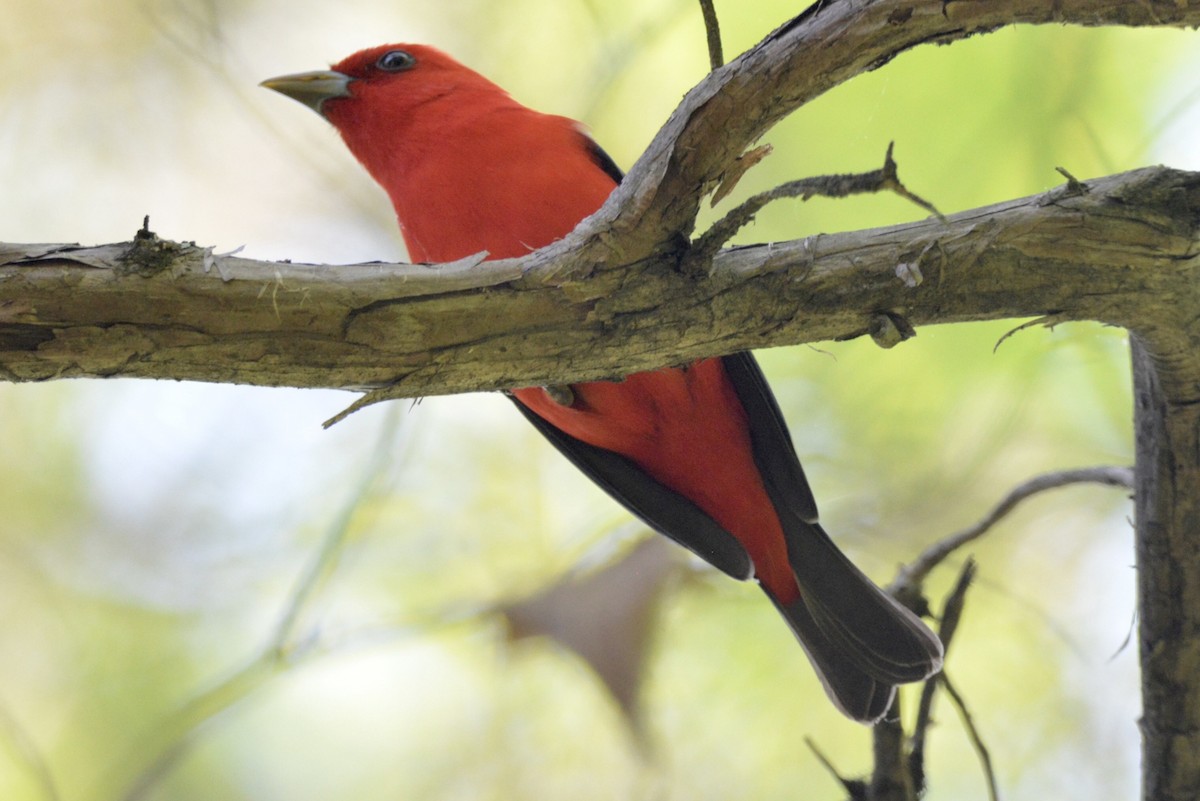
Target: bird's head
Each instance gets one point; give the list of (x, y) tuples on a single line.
[(393, 102), (468, 169), (382, 85)]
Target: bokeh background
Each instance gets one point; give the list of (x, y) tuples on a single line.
[(203, 594)]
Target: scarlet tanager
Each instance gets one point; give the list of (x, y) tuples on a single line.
[(701, 453)]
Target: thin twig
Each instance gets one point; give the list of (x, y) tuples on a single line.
[(855, 788), (1048, 320), (716, 56), (885, 178), (951, 615), (953, 608), (910, 577), (985, 758), (913, 574)]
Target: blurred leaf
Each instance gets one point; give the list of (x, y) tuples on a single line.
[(606, 617)]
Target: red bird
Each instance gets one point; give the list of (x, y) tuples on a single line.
[(701, 452)]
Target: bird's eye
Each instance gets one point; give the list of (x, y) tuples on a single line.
[(396, 61)]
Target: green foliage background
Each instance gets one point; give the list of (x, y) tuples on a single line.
[(153, 535)]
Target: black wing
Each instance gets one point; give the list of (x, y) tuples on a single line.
[(663, 509), (601, 158), (769, 438), (674, 515)]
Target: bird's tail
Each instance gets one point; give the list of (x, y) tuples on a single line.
[(861, 641)]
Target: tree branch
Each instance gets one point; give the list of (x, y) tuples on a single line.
[(608, 299), (712, 27), (909, 578), (155, 309), (1167, 499), (826, 45)]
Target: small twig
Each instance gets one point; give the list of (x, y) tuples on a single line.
[(369, 398), (1048, 320), (1130, 633), (883, 179), (716, 56), (855, 788), (953, 608), (985, 758), (1074, 185), (909, 578), (736, 169), (951, 615), (900, 775), (914, 573)]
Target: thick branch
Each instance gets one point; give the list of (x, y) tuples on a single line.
[(1167, 415), (551, 325), (826, 45), (1122, 252)]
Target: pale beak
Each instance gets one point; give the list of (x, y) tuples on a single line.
[(311, 88)]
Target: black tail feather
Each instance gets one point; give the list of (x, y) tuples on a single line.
[(860, 640), (842, 619), (874, 631), (857, 694)]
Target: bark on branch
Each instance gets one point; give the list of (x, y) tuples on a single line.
[(826, 45), (1121, 252)]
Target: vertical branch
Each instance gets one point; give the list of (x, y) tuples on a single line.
[(1167, 424), (716, 55)]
